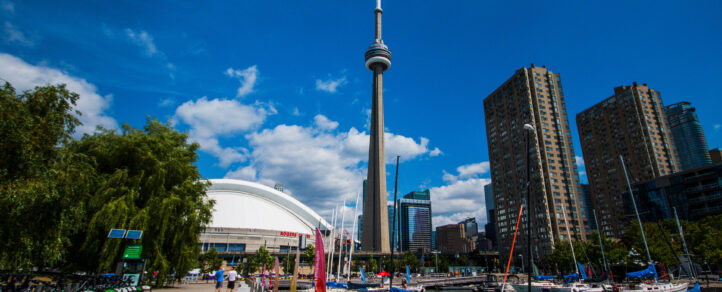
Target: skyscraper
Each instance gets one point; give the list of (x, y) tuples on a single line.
[(490, 226), (415, 217), (533, 96), (688, 135), (376, 233), (630, 123)]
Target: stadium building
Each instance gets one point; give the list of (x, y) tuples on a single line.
[(249, 215)]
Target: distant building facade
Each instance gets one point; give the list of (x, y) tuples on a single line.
[(415, 218), (490, 226), (452, 239), (716, 155), (695, 193), (588, 206), (630, 123), (471, 229), (688, 135), (533, 96)]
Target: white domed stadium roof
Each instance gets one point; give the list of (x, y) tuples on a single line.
[(248, 205)]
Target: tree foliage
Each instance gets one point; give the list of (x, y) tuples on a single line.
[(42, 185), (60, 196), (210, 261), (261, 258), (309, 255)]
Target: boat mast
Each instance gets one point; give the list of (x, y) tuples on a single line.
[(340, 241), (353, 240), (684, 244), (570, 240), (634, 203), (594, 212)]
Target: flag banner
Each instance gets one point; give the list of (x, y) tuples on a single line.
[(319, 270)]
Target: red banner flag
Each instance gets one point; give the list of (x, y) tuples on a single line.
[(319, 269)]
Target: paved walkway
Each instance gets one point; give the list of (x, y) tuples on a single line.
[(203, 287)]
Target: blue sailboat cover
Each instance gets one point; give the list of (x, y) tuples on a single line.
[(408, 275), (649, 272), (582, 271), (544, 277), (397, 289), (695, 288), (571, 277)]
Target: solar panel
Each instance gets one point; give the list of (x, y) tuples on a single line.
[(116, 233), (134, 234)]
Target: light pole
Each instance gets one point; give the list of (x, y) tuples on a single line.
[(529, 129), (522, 262)]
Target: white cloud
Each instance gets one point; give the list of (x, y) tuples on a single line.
[(321, 168), (142, 39), (330, 85), (296, 112), (91, 104), (14, 35), (245, 173), (459, 200), (435, 152), (717, 127), (211, 119), (473, 169), (467, 171), (323, 123), (579, 160), (247, 77), (167, 102), (462, 196)]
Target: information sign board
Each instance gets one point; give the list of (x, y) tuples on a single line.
[(132, 251)]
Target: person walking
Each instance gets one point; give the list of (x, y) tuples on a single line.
[(219, 279), (232, 275)]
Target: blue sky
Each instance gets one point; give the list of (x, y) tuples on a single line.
[(276, 91)]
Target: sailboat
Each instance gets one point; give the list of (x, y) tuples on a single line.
[(650, 271)]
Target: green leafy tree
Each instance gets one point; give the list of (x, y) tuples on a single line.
[(372, 266), (289, 263), (43, 187), (262, 257), (409, 259), (210, 261), (309, 255), (146, 180)]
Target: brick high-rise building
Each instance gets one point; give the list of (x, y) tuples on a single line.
[(629, 123), (452, 239), (533, 96)]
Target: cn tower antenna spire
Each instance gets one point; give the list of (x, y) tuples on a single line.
[(375, 236)]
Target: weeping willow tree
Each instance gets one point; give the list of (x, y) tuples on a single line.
[(147, 181), (42, 185)]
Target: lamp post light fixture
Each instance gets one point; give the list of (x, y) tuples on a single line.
[(522, 263), (529, 129)]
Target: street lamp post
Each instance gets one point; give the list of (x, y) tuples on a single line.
[(522, 263), (529, 129)]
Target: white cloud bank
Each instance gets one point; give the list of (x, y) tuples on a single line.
[(13, 35), (319, 167), (462, 197), (91, 104), (211, 119)]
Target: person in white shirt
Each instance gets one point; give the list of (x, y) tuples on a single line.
[(232, 276)]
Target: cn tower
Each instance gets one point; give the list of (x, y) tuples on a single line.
[(376, 227)]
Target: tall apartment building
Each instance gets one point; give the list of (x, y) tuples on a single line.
[(415, 217), (688, 135), (629, 123), (533, 96)]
